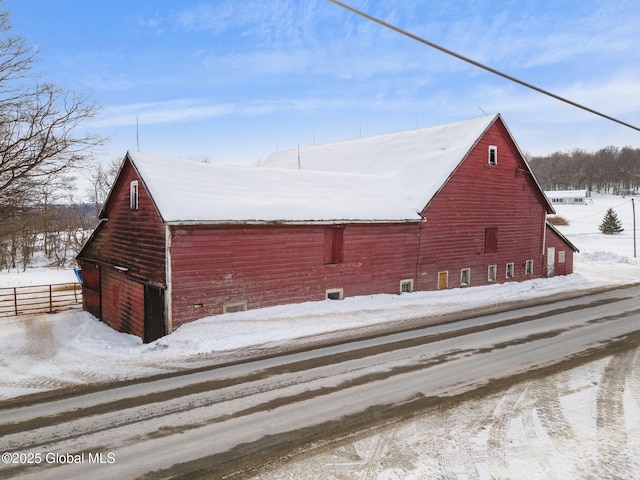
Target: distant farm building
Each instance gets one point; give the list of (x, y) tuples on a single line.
[(569, 197), (443, 207)]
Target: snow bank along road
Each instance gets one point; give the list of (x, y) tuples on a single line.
[(229, 419)]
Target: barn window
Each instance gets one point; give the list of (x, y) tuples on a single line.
[(491, 273), (528, 267), (493, 155), (561, 256), (491, 240), (335, 294), (333, 245), (465, 277), (133, 195), (232, 307), (406, 286), (509, 271)]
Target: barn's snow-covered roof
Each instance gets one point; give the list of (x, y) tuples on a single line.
[(388, 177)]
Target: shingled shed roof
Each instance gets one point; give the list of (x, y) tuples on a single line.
[(383, 178)]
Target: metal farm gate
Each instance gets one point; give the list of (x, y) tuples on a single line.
[(40, 299)]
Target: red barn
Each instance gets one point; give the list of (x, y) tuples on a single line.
[(442, 207)]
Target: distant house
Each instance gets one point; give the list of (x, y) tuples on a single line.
[(444, 207), (568, 197)]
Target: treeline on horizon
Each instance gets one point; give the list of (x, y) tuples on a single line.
[(609, 170)]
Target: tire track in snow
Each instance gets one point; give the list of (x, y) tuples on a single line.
[(613, 460), (550, 413), (507, 407)]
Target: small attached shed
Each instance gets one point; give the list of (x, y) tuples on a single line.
[(559, 253), (449, 206)]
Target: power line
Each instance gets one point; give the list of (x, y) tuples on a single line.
[(480, 65)]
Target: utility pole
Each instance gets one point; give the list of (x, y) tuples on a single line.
[(633, 207)]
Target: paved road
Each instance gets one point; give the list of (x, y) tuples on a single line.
[(212, 421)]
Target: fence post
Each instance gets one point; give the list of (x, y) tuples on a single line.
[(15, 300), (50, 299)]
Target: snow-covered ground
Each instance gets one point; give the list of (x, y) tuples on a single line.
[(582, 423), (51, 351)]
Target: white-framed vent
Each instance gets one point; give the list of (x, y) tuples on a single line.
[(232, 307), (493, 155), (133, 195), (465, 277), (528, 267), (334, 294), (509, 271), (492, 273), (406, 285)]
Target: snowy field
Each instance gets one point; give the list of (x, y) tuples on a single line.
[(582, 423)]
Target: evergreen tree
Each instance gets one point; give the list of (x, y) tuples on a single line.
[(610, 223)]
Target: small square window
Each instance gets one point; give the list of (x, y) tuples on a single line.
[(528, 268), (509, 271), (406, 286), (491, 273), (133, 195), (493, 155), (465, 277), (561, 256), (335, 294)]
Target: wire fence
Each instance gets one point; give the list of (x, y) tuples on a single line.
[(39, 299)]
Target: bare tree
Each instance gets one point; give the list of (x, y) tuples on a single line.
[(608, 170), (38, 121), (101, 180)]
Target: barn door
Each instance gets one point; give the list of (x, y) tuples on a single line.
[(551, 261), (154, 325), (443, 280), (91, 290)]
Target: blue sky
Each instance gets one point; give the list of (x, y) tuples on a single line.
[(236, 80)]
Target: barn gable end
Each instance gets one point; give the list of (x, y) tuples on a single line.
[(488, 215), (125, 253)]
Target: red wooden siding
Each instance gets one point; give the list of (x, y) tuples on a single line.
[(274, 265), (484, 215), (333, 244), (554, 240), (133, 241), (91, 288), (122, 302)]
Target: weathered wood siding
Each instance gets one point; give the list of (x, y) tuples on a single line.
[(91, 288), (479, 198), (134, 242), (123, 302), (133, 239), (274, 265)]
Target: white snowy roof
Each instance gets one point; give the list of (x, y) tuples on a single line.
[(388, 177), (565, 193)]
